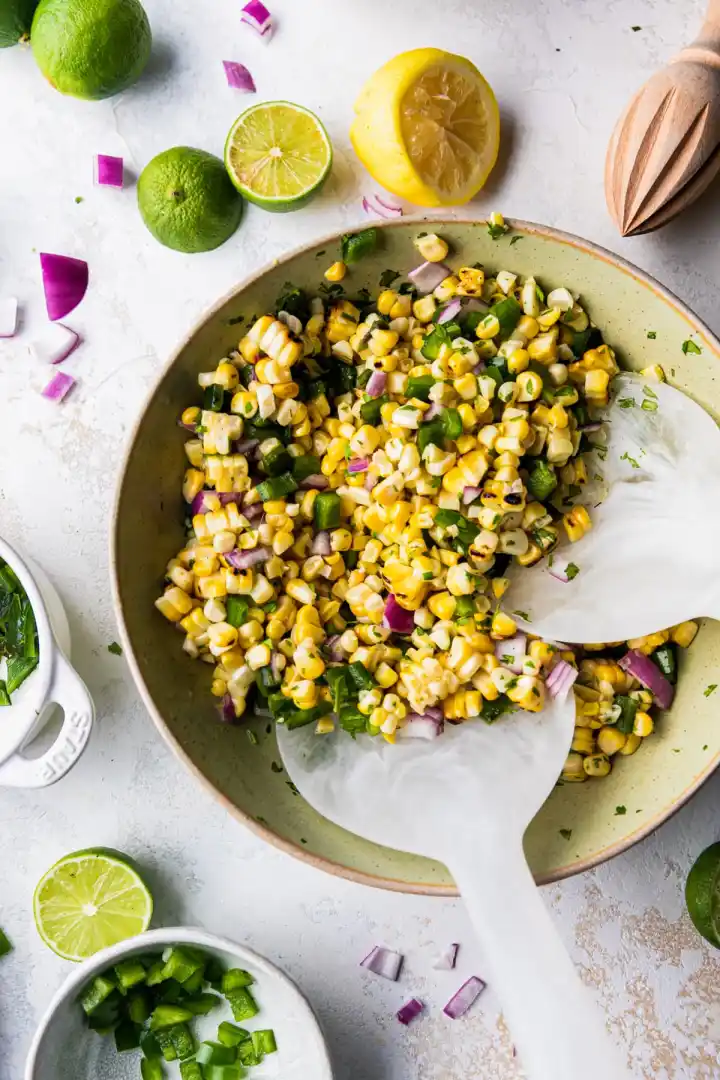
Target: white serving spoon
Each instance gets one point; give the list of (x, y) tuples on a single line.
[(652, 558), (466, 799)]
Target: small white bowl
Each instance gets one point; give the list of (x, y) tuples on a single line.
[(64, 1048), (53, 682)]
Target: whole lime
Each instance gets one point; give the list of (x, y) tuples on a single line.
[(91, 48), (187, 200), (15, 20)]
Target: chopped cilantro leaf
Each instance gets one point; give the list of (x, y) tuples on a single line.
[(252, 737), (627, 403), (115, 649), (572, 570), (565, 833), (635, 29), (429, 576), (514, 240), (689, 346), (649, 392), (387, 277), (710, 689), (496, 231), (651, 334), (620, 810), (276, 767), (649, 406), (523, 615), (79, 199), (626, 457)]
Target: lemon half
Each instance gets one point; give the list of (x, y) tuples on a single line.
[(427, 127)]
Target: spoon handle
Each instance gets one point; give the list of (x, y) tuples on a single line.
[(558, 1029)]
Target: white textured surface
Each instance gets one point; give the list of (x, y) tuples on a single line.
[(624, 922)]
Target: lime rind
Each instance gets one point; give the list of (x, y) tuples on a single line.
[(90, 900), (702, 894)]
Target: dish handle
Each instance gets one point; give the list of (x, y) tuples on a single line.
[(69, 692)]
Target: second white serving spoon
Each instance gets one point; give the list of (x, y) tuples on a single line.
[(466, 799), (652, 557)]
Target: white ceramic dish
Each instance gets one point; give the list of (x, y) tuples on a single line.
[(54, 682), (65, 1049)]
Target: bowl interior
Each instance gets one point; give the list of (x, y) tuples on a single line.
[(627, 306), (66, 1049)]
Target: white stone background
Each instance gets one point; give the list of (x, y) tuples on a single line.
[(562, 72)]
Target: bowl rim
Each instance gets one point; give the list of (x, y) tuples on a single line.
[(263, 831), (171, 935)]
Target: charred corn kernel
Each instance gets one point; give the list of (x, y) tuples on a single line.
[(432, 247), (226, 375), (543, 348), (596, 384), (632, 742), (502, 625), (471, 280), (577, 522), (541, 652), (548, 318), (684, 633), (446, 289), (386, 301), (385, 676), (558, 417), (466, 387), (584, 741), (222, 636), (597, 765), (258, 657), (250, 633), (500, 586), (610, 741), (643, 724), (275, 629), (442, 605), (336, 272), (459, 580), (423, 310), (573, 770), (193, 484)]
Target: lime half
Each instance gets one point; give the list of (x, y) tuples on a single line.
[(702, 895), (278, 155), (89, 900)]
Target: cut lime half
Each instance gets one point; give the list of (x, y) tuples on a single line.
[(278, 155), (702, 894), (90, 900)]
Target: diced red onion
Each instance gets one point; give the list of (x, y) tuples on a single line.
[(358, 465), (469, 493), (59, 387), (376, 384), (202, 502), (428, 276), (396, 618), (514, 648), (54, 343), (108, 171), (560, 679), (227, 710), (384, 962), (253, 512), (410, 1010), (588, 429), (238, 77), (276, 667), (333, 647), (450, 311), (421, 727), (447, 959), (244, 560), (8, 316), (468, 993), (435, 711), (374, 204), (226, 497), (65, 281), (371, 480), (651, 677), (479, 368), (559, 568), (315, 481), (255, 14), (433, 411), (321, 543), (245, 446), (187, 427)]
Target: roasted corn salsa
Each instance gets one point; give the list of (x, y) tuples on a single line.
[(362, 470)]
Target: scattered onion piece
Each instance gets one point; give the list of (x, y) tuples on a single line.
[(54, 344), (421, 727), (59, 387), (650, 675), (227, 710), (469, 493), (202, 502), (255, 14), (397, 618), (383, 962), (560, 679), (410, 1010), (376, 384), (468, 993), (321, 543), (510, 652), (559, 568), (8, 316), (316, 481), (108, 171), (65, 281), (447, 959), (379, 207), (238, 77), (243, 560), (449, 312), (358, 465), (427, 276)]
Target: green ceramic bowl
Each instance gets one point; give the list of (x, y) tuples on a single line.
[(148, 530)]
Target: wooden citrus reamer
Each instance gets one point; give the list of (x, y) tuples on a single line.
[(665, 149)]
